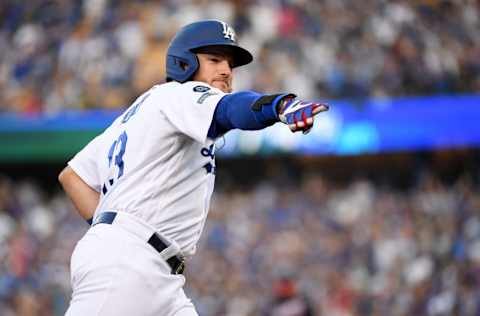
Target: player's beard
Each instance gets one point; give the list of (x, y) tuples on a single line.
[(222, 84)]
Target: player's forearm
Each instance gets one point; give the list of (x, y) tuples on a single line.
[(84, 198), (246, 110)]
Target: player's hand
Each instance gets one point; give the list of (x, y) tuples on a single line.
[(299, 114)]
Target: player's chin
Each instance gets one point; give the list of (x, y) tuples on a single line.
[(222, 85)]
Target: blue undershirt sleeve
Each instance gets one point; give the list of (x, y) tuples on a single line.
[(236, 110)]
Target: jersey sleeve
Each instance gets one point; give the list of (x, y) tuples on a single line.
[(85, 166), (191, 108)]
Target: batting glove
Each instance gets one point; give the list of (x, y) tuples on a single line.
[(299, 114)]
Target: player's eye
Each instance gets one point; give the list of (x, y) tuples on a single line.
[(218, 59)]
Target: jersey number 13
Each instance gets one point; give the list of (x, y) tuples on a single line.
[(115, 156)]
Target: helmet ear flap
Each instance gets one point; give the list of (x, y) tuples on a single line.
[(183, 65), (181, 69)]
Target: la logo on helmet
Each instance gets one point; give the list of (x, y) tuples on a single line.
[(228, 31)]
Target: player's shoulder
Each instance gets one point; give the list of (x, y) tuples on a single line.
[(161, 92), (183, 93)]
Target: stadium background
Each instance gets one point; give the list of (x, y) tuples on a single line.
[(368, 217)]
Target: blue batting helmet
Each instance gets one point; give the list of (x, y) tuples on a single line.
[(182, 62)]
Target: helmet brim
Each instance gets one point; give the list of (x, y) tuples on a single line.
[(240, 56)]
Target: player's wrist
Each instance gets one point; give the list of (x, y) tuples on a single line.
[(266, 107), (282, 103)]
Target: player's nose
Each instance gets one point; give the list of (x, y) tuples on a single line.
[(224, 68)]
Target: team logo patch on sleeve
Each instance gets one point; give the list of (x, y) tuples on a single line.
[(201, 88)]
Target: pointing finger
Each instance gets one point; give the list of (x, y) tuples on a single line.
[(320, 108)]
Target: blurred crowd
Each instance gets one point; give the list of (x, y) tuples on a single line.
[(104, 53), (289, 246)]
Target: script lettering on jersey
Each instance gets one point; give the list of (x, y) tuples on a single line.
[(210, 168), (133, 110), (228, 31), (209, 152)]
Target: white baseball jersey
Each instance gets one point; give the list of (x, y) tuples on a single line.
[(156, 162)]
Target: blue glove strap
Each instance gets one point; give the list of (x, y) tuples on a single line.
[(266, 107)]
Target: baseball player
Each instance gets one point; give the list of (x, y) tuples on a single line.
[(145, 183)]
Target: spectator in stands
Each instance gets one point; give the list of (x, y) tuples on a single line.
[(287, 299), (83, 54), (360, 248)]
